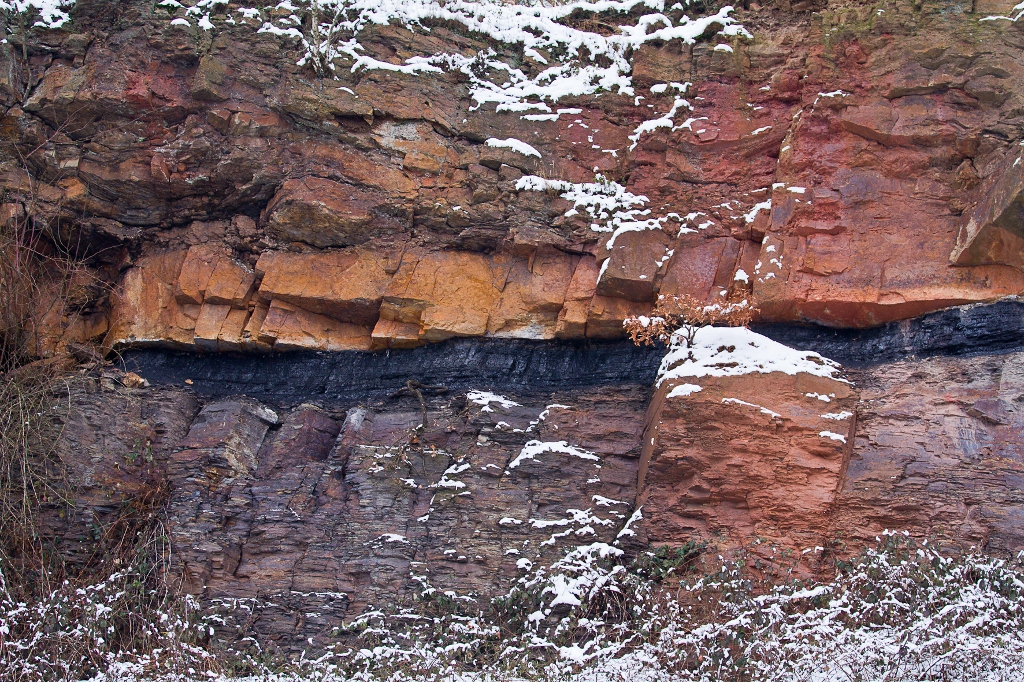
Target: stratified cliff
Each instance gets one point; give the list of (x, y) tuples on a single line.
[(376, 282)]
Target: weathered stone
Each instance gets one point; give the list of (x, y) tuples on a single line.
[(325, 213), (288, 327), (605, 316), (746, 457), (145, 310), (393, 334), (447, 293), (663, 64), (220, 451), (937, 453), (346, 285), (209, 81), (209, 324), (634, 259), (191, 281), (533, 295), (231, 283), (866, 244), (994, 233)]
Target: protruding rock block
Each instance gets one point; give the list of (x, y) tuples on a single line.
[(290, 327), (325, 213), (146, 311), (194, 275), (634, 259), (866, 244), (447, 293), (748, 441), (994, 232), (346, 285)]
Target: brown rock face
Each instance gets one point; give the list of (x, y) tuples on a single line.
[(323, 213), (747, 458), (844, 167), (338, 300), (938, 453), (346, 285), (995, 231), (331, 510), (837, 163)]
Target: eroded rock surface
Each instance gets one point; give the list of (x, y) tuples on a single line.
[(832, 163), (854, 166), (334, 510), (332, 507)]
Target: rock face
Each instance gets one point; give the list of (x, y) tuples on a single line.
[(849, 168), (360, 299), (462, 263), (937, 451), (747, 458), (333, 510), (332, 506)]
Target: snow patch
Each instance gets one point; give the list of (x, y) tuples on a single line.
[(515, 145), (485, 398), (734, 351), (536, 447)]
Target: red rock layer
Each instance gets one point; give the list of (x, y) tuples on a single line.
[(888, 143)]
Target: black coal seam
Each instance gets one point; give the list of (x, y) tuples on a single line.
[(511, 365), (965, 330), (534, 367)]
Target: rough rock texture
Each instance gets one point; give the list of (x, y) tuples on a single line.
[(854, 166), (938, 451), (333, 506), (748, 457), (886, 142), (331, 510)]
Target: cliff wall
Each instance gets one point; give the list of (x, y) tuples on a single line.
[(367, 327)]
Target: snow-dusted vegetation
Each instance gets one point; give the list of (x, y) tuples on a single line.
[(44, 13), (901, 611)]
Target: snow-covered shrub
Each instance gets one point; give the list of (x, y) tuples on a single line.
[(681, 316), (115, 629), (900, 612)]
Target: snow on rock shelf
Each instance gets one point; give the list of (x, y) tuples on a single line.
[(735, 351)]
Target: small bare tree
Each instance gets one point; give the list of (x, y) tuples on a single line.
[(686, 314), (325, 17)]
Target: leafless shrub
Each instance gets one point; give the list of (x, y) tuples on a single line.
[(686, 314)]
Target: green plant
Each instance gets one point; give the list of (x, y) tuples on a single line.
[(664, 560)]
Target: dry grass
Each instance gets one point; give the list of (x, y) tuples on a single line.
[(69, 627), (33, 397)]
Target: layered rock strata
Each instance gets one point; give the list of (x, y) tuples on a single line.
[(331, 507), (855, 166), (850, 167)]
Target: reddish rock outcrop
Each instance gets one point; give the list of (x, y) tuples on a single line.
[(747, 458), (883, 142), (746, 443), (848, 166), (332, 510), (937, 453)]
